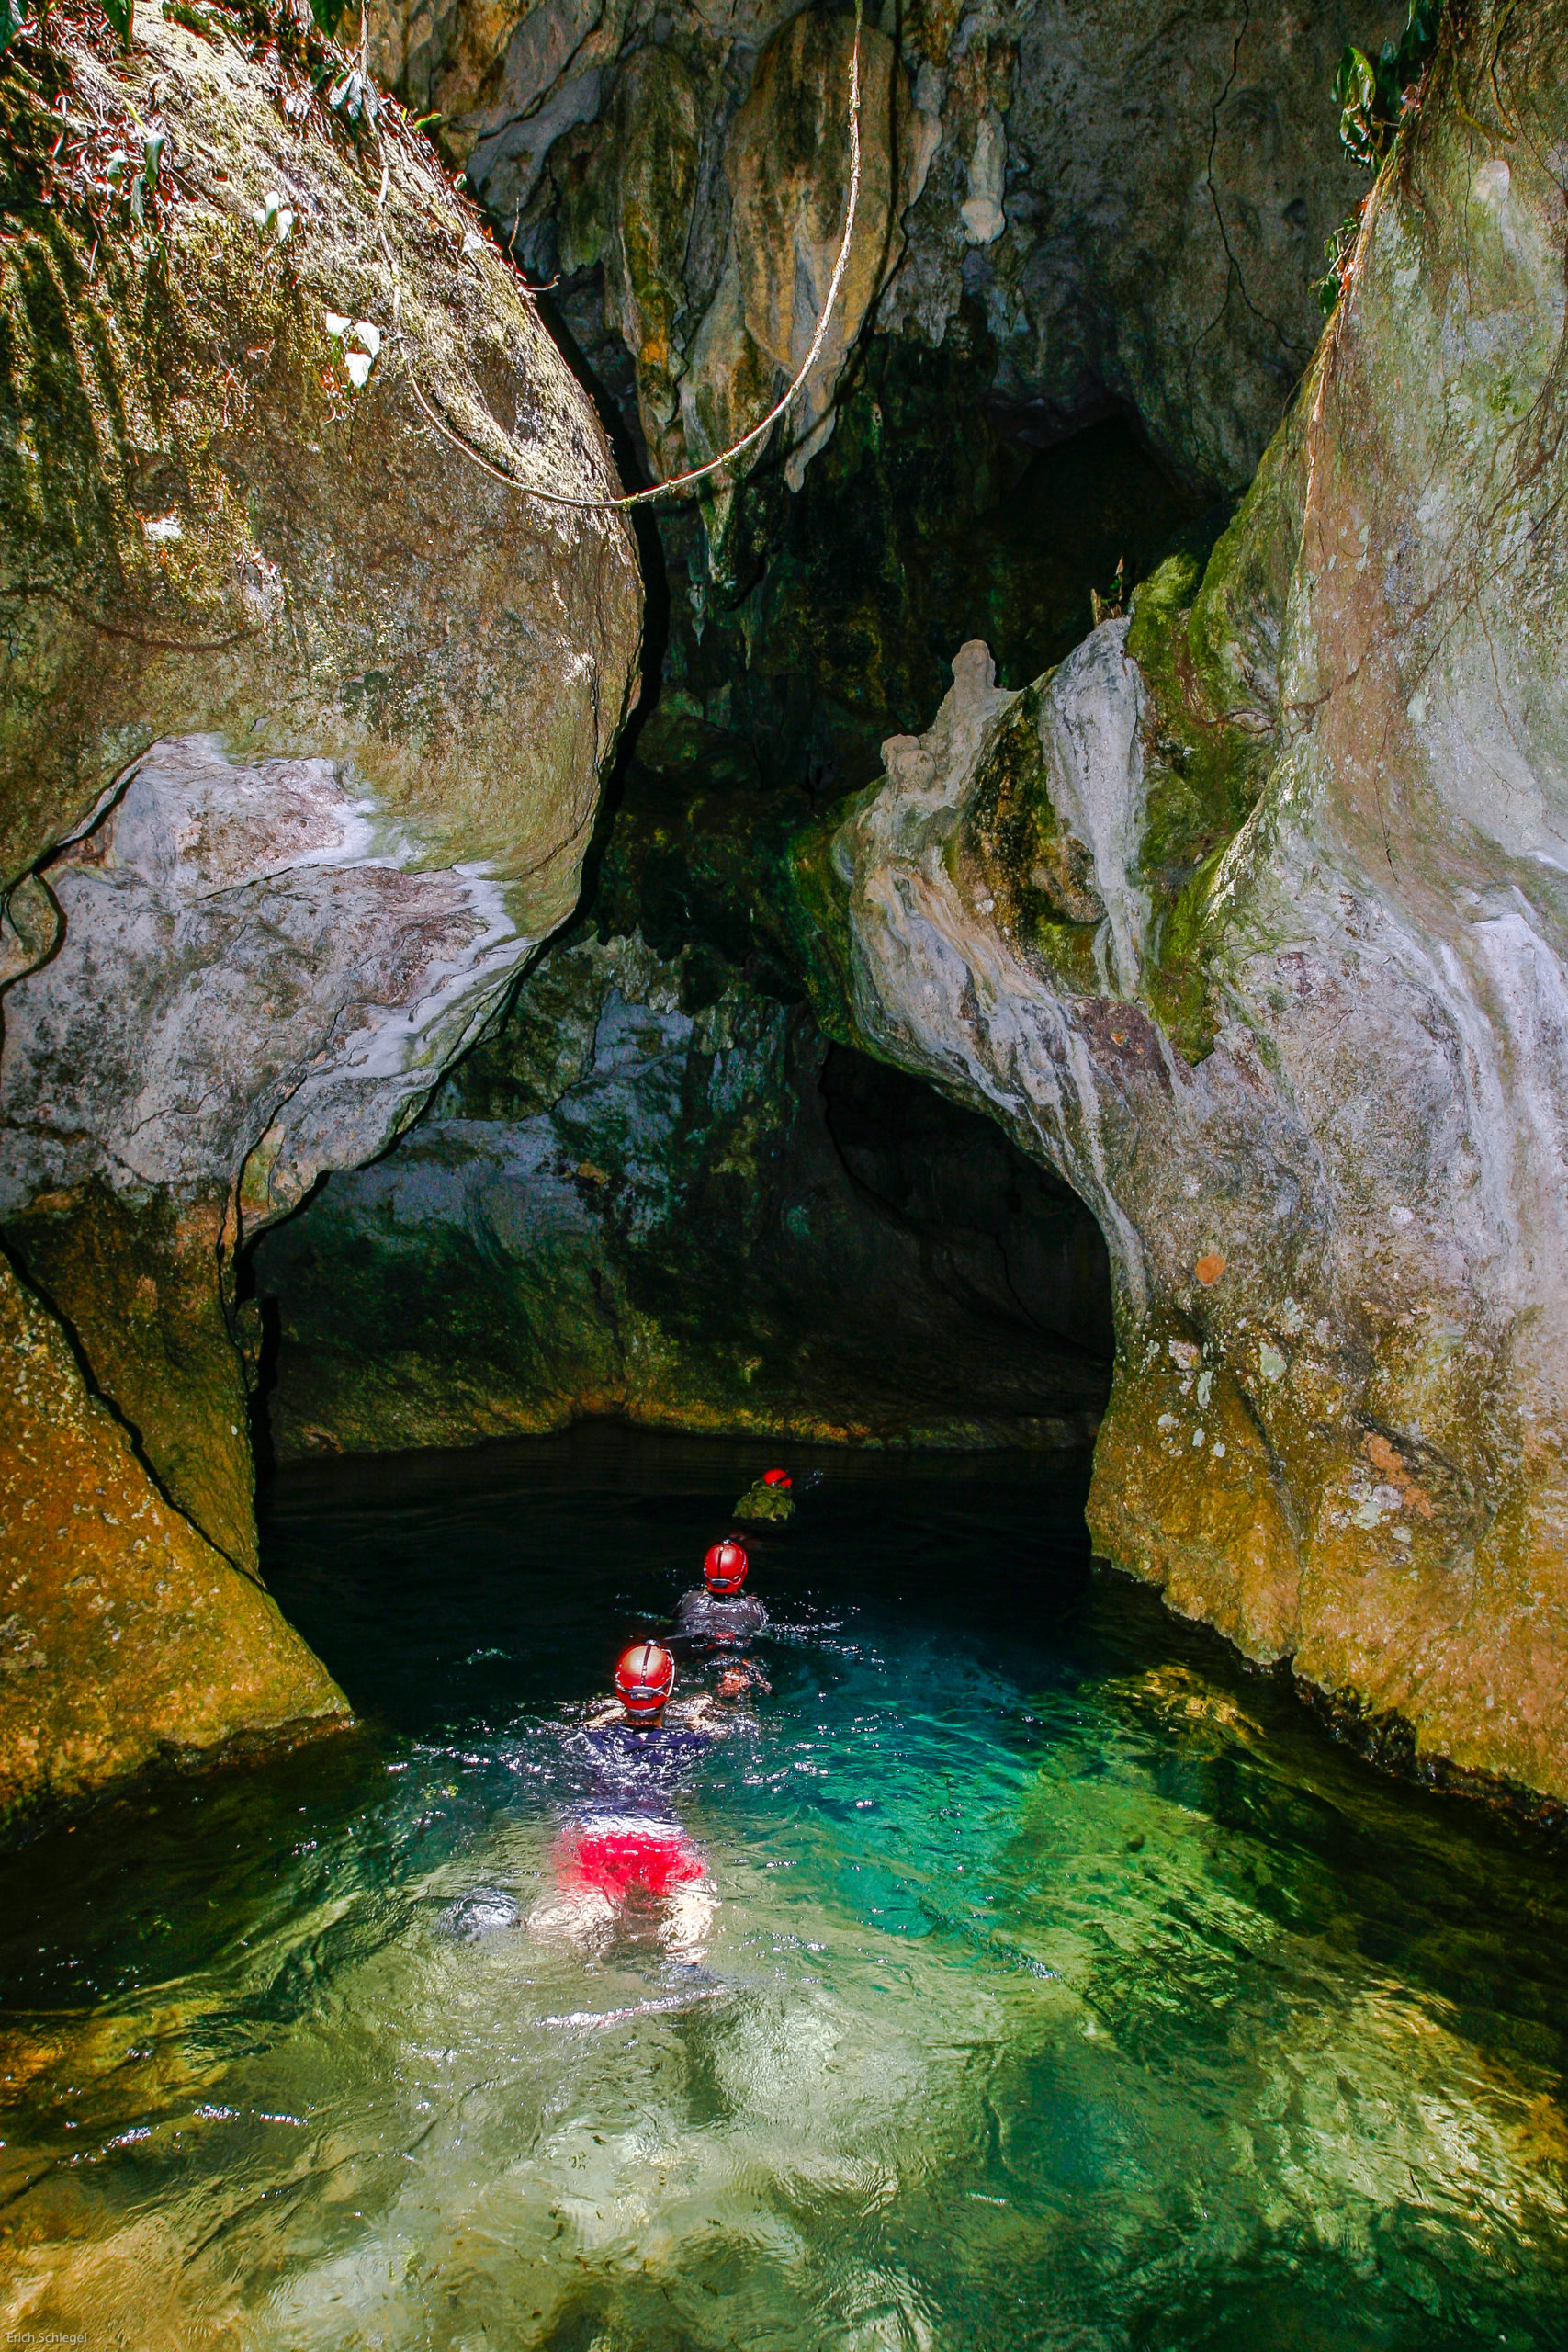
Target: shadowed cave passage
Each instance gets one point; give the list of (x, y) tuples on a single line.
[(710, 1220), (657, 1190)]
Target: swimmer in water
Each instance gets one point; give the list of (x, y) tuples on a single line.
[(627, 1851), (720, 1616)]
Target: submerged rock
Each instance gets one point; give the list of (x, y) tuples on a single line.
[(1248, 919), (304, 713), (486, 1912)]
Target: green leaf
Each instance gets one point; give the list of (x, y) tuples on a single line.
[(1422, 29), (1372, 96), (329, 14), (1354, 81), (119, 14), (12, 17)]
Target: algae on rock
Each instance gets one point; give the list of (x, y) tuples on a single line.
[(127, 1636)]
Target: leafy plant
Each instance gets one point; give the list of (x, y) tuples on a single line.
[(1338, 247), (136, 177), (275, 219), (1372, 95), (354, 94), (360, 346), (12, 17), (119, 14)]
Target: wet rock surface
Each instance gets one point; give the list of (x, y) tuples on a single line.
[(1067, 214), (1307, 1068), (126, 1636), (1138, 202)]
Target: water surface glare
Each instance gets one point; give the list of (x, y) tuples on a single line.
[(1063, 1984)]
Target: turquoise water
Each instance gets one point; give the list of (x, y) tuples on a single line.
[(1058, 1983)]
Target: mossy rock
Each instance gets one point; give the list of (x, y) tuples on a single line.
[(208, 526), (137, 1640), (1206, 639)]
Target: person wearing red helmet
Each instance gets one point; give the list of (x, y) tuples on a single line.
[(719, 1616), (645, 1676), (627, 1852)]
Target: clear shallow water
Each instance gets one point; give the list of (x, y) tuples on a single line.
[(1065, 1986)]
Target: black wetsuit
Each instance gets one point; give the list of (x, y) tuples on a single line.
[(719, 1621), (632, 1777), (637, 1767)]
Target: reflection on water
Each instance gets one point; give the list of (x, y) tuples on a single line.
[(1064, 1987)]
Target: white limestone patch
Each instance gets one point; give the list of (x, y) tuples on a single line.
[(1090, 732), (251, 959)]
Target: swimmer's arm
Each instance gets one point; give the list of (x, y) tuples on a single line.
[(703, 1713)]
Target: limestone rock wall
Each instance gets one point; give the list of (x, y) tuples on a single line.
[(1074, 221), (125, 1635), (304, 714), (1249, 918), (1138, 201)]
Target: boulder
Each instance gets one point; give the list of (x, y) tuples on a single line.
[(126, 1637), (305, 711)]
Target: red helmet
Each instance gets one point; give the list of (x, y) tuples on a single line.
[(777, 1478), (645, 1676), (726, 1566)]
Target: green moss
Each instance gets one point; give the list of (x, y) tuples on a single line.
[(816, 922), (185, 379), (1176, 982), (1040, 878), (1206, 640)]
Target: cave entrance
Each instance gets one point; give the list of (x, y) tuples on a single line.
[(999, 1301), (712, 1219)]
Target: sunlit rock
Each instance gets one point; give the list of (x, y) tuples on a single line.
[(125, 1634)]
